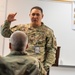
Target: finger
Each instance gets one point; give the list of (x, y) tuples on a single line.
[(15, 14), (14, 19)]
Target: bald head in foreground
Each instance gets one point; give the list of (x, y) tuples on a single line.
[(18, 41), (20, 62)]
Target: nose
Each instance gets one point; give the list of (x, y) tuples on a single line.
[(35, 16)]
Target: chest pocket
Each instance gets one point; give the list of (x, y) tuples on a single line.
[(36, 37)]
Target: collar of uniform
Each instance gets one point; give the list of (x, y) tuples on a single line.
[(31, 27), (17, 53)]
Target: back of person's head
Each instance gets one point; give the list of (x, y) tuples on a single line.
[(18, 41)]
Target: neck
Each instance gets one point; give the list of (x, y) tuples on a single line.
[(35, 25)]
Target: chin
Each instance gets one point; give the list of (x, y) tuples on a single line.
[(34, 23)]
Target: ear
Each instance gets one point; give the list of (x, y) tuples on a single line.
[(42, 15), (27, 46), (29, 15), (9, 45)]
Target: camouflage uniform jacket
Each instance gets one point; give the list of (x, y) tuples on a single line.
[(23, 64), (41, 37), (5, 69)]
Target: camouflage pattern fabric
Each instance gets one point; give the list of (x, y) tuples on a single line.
[(41, 37), (5, 69), (23, 64)]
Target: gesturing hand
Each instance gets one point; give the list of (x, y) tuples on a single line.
[(11, 17)]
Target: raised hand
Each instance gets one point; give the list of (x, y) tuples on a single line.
[(11, 17)]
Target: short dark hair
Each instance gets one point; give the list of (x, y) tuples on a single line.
[(37, 7)]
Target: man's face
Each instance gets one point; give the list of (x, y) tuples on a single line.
[(36, 16)]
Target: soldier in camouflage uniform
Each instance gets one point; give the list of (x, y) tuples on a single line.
[(20, 62), (42, 41)]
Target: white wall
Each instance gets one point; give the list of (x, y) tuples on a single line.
[(62, 71), (57, 15), (2, 18)]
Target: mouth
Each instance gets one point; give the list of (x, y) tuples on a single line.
[(34, 20)]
